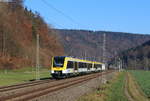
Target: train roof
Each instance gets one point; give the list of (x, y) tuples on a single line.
[(78, 59)]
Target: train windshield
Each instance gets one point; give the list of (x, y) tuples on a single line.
[(58, 61)]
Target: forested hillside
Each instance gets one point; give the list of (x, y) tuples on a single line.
[(84, 43), (18, 29), (137, 58)]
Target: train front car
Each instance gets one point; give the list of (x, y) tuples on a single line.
[(58, 66)]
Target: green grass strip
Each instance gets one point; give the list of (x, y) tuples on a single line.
[(116, 90), (10, 77)]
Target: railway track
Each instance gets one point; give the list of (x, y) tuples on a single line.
[(53, 86), (23, 85)]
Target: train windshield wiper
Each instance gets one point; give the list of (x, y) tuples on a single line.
[(59, 65)]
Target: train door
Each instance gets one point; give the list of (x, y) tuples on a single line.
[(76, 66)]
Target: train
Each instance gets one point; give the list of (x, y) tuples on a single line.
[(65, 66)]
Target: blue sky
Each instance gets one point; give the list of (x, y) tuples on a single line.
[(108, 15)]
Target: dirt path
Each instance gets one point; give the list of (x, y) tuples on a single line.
[(132, 90)]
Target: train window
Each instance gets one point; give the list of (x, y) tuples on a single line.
[(84, 65), (81, 65), (97, 66), (70, 64), (58, 61), (100, 66)]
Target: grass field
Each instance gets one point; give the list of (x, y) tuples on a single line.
[(143, 79), (112, 91), (10, 77)]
